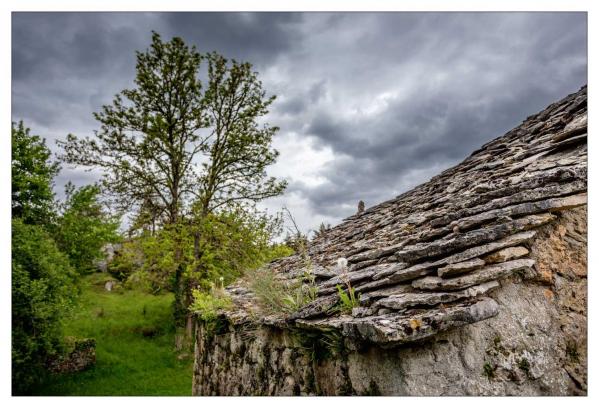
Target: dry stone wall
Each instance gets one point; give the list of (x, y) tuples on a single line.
[(473, 283)]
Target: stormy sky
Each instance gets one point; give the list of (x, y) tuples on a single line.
[(369, 104)]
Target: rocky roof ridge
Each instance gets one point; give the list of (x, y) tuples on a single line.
[(424, 261)]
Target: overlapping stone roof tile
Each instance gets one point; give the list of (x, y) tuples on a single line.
[(426, 260)]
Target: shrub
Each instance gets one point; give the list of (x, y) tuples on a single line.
[(42, 293), (126, 260), (347, 297), (231, 242), (145, 262), (208, 305)]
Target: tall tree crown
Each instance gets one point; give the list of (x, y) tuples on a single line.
[(175, 142)]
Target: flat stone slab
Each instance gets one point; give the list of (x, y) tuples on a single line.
[(460, 267), (488, 273), (407, 300), (506, 254), (396, 329)]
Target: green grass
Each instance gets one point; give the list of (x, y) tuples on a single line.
[(127, 363)]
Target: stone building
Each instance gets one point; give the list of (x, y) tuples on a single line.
[(474, 283)]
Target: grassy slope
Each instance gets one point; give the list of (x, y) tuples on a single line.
[(127, 363)]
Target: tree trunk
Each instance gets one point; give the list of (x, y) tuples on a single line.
[(180, 312), (184, 322), (183, 319)]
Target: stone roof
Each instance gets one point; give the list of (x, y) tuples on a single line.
[(426, 260)]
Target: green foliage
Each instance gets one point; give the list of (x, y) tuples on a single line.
[(285, 296), (148, 136), (230, 243), (32, 177), (153, 136), (158, 263), (347, 299), (127, 260), (147, 262), (127, 362), (208, 305), (276, 251), (280, 296), (239, 146), (43, 291), (84, 227)]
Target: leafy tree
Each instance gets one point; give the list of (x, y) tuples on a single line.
[(149, 137), (32, 176), (238, 148), (84, 227), (42, 277), (42, 293), (190, 150), (232, 242)]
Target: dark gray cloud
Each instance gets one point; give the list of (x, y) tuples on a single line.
[(369, 104), (255, 37)]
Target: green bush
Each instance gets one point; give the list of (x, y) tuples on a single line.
[(146, 262), (208, 305), (232, 242), (43, 291), (127, 259), (229, 243)]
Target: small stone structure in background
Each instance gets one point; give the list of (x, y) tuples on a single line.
[(109, 250), (360, 207)]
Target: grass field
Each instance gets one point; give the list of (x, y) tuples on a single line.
[(127, 362)]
